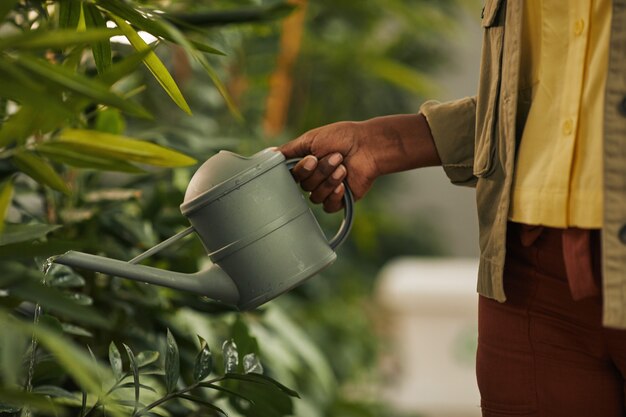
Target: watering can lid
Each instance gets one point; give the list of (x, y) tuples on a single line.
[(223, 172)]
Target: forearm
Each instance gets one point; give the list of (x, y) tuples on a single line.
[(403, 142)]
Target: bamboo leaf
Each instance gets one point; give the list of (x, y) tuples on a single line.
[(15, 233), (68, 155), (106, 145), (147, 357), (135, 370), (115, 359), (262, 379), (204, 362), (6, 195), (39, 170), (56, 39), (101, 49), (69, 13), (67, 78), (154, 64), (203, 402), (172, 363), (123, 68)]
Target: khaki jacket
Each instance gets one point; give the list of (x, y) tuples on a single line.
[(476, 138)]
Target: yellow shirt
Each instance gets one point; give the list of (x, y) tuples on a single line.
[(558, 179)]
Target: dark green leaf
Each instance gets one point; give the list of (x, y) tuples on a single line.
[(203, 402), (146, 357), (101, 49), (204, 362), (79, 298), (15, 233), (132, 385), (106, 145), (135, 369), (225, 390), (51, 323), (39, 170), (53, 391), (69, 13), (151, 370), (115, 359), (172, 363), (64, 277), (18, 398), (262, 379), (123, 68)]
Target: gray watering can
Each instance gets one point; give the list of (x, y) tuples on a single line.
[(256, 226)]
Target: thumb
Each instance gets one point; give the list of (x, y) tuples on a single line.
[(296, 148)]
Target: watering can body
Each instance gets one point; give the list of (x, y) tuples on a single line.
[(255, 225)]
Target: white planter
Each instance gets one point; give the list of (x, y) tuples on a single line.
[(430, 313)]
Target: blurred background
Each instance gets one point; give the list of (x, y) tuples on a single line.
[(389, 330)]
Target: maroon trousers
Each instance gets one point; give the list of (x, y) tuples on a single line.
[(542, 353)]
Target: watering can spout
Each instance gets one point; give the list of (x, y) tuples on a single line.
[(212, 282)]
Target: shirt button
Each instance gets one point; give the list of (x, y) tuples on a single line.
[(622, 234), (579, 27), (568, 127)]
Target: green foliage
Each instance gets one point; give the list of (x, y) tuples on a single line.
[(88, 126)]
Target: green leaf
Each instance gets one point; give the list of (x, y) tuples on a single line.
[(132, 385), (57, 39), (66, 154), (64, 277), (6, 195), (76, 330), (101, 49), (154, 64), (123, 68), (14, 233), (69, 13), (106, 145), (203, 402), (262, 379), (19, 399), (204, 362), (172, 363), (147, 357), (225, 390), (110, 121), (53, 391), (73, 81), (39, 170), (115, 359), (135, 369)]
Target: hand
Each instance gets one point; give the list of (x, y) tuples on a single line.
[(359, 152)]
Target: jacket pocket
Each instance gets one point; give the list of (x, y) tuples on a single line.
[(488, 98)]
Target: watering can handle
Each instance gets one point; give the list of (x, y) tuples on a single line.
[(348, 210)]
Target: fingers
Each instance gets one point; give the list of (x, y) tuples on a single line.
[(323, 172), (323, 179), (303, 169), (334, 202), (298, 147)]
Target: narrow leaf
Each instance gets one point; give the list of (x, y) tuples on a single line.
[(135, 369), (57, 39), (67, 155), (106, 145), (154, 64), (6, 195), (123, 68), (69, 13), (172, 363), (101, 49), (204, 362), (15, 233), (53, 391), (39, 170), (76, 330), (225, 390), (262, 379), (132, 385), (203, 402), (147, 357), (78, 83), (115, 359)]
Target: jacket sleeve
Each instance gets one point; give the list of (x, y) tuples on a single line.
[(452, 125)]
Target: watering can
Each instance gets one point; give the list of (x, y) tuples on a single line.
[(255, 225)]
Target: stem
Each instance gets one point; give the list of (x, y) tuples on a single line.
[(113, 387)]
